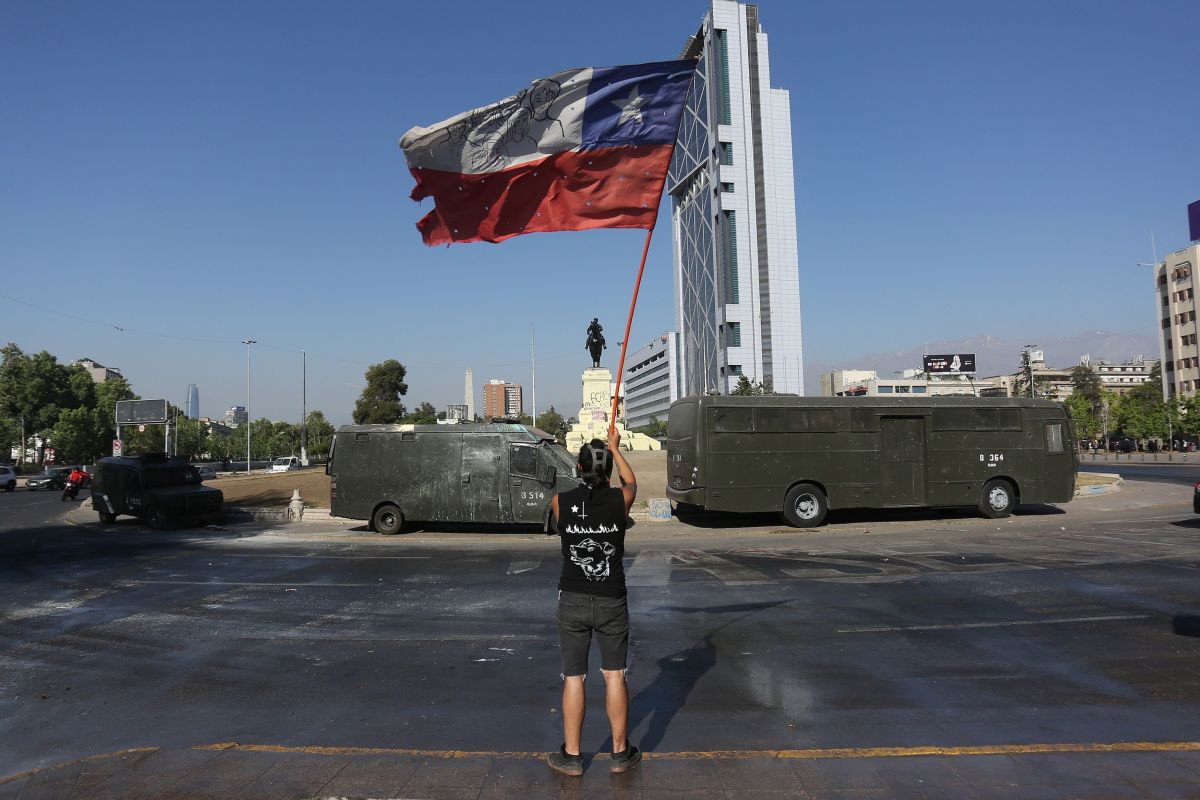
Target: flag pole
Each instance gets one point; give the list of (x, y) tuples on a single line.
[(612, 425)]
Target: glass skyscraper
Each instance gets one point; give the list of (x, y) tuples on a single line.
[(737, 291)]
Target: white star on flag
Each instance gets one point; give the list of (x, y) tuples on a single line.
[(574, 509), (631, 107)]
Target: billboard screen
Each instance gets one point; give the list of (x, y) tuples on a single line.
[(140, 412), (952, 364), (1194, 221)]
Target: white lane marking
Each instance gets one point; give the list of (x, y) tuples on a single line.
[(250, 583), (724, 570), (1124, 540), (517, 567), (1005, 624), (315, 556), (649, 568)]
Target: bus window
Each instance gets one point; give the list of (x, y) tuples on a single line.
[(768, 420), (1054, 437), (732, 420), (863, 420), (810, 420), (681, 424), (984, 419), (1010, 419), (952, 419)]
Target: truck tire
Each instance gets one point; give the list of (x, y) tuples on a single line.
[(107, 519), (997, 499), (387, 520), (805, 506), (156, 519)]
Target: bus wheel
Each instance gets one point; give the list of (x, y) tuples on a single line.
[(997, 499), (107, 519), (387, 520), (805, 506)]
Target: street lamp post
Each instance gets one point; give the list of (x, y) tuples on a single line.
[(304, 409), (248, 342), (1029, 367)]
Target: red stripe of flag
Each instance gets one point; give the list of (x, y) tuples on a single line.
[(611, 187)]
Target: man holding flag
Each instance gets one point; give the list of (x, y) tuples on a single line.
[(581, 149)]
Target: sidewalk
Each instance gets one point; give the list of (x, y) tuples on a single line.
[(1115, 770)]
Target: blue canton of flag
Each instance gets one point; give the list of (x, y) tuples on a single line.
[(636, 104)]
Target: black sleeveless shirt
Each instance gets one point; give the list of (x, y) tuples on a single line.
[(591, 525)]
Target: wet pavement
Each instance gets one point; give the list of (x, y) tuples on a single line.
[(1053, 654)]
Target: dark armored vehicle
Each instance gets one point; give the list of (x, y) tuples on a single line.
[(155, 487), (805, 455), (486, 473)]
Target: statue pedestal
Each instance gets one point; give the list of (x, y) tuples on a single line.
[(594, 416)]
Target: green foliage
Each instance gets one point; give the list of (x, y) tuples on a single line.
[(425, 414), (1020, 387), (379, 402), (553, 423), (656, 428), (745, 388), (320, 435), (191, 438), (1142, 414), (1086, 383)]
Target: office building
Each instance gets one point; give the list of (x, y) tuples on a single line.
[(191, 404), (99, 372), (1175, 280), (733, 215), (1126, 376), (651, 381), (868, 383), (502, 399), (235, 416)]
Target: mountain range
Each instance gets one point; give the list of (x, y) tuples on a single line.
[(994, 355)]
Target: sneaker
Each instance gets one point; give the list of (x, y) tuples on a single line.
[(624, 760), (564, 762)]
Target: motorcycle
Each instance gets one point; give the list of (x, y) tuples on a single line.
[(70, 490)]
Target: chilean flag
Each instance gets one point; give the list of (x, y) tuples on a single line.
[(585, 148)]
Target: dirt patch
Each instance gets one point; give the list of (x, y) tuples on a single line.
[(258, 489), (1092, 479)]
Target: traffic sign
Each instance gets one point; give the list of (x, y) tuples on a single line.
[(117, 447)]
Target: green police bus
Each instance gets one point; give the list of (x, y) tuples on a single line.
[(803, 456)]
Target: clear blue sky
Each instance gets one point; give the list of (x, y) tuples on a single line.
[(224, 171)]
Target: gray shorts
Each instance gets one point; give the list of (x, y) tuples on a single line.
[(581, 614)]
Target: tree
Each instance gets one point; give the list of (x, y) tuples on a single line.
[(1020, 387), (656, 428), (745, 388), (425, 414), (191, 439), (1142, 412), (320, 435), (553, 423), (1086, 383), (379, 402)]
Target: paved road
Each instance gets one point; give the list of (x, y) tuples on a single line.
[(1182, 474), (1068, 628)]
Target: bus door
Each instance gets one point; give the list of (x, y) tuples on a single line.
[(902, 461), (1060, 460), (479, 479)]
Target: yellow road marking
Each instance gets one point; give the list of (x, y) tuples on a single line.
[(813, 754), (118, 754), (685, 755)]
